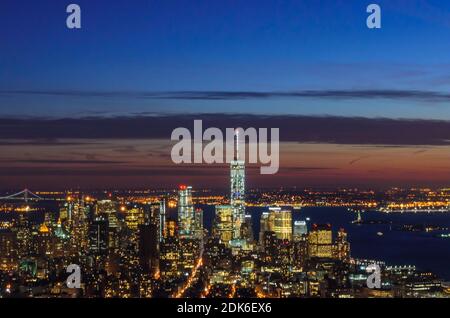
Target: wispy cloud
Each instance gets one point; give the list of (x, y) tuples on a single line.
[(44, 142), (63, 161), (352, 162), (418, 152), (418, 95), (154, 171)]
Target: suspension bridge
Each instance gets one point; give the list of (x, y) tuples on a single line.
[(24, 195)]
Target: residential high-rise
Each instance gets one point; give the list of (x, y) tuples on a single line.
[(320, 241), (237, 195), (185, 213)]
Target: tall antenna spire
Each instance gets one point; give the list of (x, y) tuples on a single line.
[(236, 132)]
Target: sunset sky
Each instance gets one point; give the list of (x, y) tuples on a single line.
[(94, 108)]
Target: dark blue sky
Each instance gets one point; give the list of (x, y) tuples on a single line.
[(258, 46)]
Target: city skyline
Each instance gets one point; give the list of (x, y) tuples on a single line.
[(122, 249)]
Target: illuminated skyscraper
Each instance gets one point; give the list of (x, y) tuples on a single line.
[(79, 227), (237, 177), (134, 217), (109, 209), (162, 220), (320, 241), (170, 255), (24, 238), (98, 236), (171, 228), (198, 225), (185, 213), (342, 247), (44, 241), (189, 254), (155, 214), (149, 247), (66, 211), (8, 250), (280, 222), (62, 240), (216, 252), (270, 247), (224, 223), (263, 226), (247, 229)]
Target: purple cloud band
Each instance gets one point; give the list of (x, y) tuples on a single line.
[(325, 129)]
